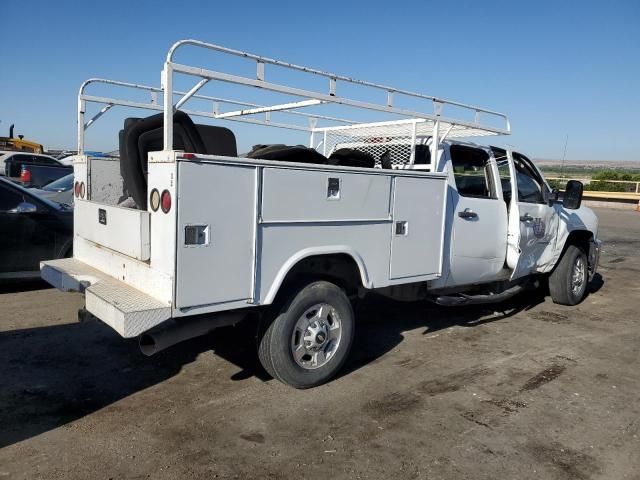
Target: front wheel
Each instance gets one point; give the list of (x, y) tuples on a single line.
[(310, 337), (568, 282)]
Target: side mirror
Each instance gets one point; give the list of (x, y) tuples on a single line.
[(573, 195), (552, 197), (24, 207)]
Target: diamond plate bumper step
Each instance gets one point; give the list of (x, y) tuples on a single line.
[(127, 310)]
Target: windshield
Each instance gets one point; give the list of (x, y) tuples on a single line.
[(61, 185)]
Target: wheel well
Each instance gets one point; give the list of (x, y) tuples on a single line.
[(338, 268), (579, 238)]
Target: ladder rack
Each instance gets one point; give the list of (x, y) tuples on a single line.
[(412, 127)]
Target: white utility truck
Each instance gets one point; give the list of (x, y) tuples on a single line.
[(183, 235)]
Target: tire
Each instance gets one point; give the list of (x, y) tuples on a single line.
[(264, 342), (568, 281), (309, 338)]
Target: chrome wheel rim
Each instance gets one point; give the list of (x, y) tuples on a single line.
[(578, 276), (316, 336)]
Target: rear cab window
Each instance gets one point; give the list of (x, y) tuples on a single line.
[(41, 160)]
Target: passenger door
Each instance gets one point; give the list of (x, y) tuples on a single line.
[(537, 221), (478, 217), (11, 241), (28, 232)]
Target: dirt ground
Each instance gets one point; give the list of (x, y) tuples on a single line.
[(528, 389)]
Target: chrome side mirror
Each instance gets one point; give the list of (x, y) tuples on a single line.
[(573, 195)]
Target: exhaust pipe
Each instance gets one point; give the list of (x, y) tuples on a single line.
[(173, 331), (11, 131)]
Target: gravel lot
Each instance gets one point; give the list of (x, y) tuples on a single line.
[(530, 390)]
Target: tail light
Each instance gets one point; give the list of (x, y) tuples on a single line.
[(154, 200), (165, 201), (76, 189), (25, 175), (82, 190)]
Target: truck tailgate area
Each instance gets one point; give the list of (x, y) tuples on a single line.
[(124, 230), (127, 310)]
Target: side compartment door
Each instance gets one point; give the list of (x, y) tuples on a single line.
[(216, 233), (416, 237), (538, 222)]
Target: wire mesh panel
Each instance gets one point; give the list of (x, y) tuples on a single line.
[(385, 138), (394, 138)]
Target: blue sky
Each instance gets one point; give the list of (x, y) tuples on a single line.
[(556, 68)]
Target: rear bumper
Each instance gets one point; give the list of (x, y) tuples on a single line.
[(127, 310)]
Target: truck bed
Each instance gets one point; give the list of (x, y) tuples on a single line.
[(238, 226)]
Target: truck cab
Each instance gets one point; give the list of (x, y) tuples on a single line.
[(493, 191)]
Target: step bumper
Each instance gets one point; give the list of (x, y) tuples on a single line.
[(127, 310)]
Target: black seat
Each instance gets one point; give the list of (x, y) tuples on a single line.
[(141, 136), (218, 140), (423, 154), (287, 153), (350, 157)]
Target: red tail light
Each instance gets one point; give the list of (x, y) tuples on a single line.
[(76, 189), (25, 175), (165, 201)]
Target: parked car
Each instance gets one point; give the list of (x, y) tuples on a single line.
[(11, 162), (37, 176), (59, 191), (31, 229)]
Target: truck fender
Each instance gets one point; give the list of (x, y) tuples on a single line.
[(315, 251), (575, 227)]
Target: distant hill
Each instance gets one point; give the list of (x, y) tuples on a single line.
[(589, 164)]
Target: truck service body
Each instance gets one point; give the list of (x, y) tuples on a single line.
[(406, 207)]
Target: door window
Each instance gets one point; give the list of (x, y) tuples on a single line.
[(472, 172), (8, 199), (530, 185)]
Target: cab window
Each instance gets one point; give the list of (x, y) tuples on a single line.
[(472, 172)]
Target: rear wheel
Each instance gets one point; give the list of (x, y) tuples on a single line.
[(568, 282), (307, 341)]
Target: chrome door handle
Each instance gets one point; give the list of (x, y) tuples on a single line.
[(467, 213), (526, 218)]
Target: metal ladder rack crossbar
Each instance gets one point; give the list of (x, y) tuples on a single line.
[(217, 102)]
